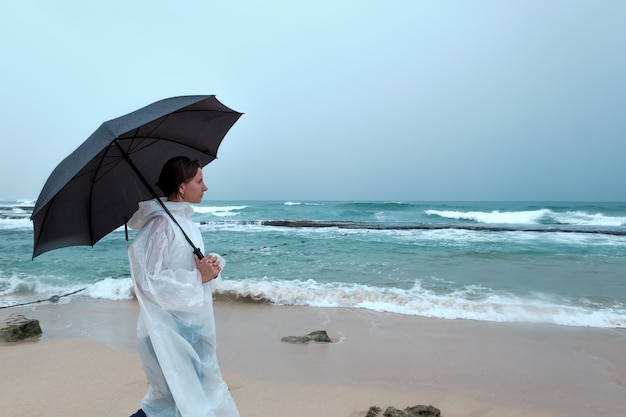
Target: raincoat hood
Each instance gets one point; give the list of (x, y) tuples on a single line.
[(151, 208)]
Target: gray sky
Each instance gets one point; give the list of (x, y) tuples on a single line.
[(343, 100)]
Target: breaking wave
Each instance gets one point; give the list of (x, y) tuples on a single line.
[(532, 217), (472, 302)]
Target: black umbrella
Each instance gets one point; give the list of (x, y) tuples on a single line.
[(96, 189)]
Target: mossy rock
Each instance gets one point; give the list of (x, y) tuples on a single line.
[(16, 327), (415, 411), (317, 336)]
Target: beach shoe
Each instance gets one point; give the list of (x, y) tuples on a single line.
[(139, 413)]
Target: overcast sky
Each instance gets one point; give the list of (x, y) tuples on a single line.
[(343, 100)]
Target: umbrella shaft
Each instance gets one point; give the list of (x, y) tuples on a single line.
[(130, 162)]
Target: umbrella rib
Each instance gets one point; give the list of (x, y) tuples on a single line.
[(108, 163), (158, 138), (111, 163), (143, 137)]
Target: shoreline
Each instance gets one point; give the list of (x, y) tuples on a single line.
[(463, 367)]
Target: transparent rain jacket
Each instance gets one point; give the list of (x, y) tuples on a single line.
[(176, 327)]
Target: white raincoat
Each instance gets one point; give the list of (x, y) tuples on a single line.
[(176, 328)]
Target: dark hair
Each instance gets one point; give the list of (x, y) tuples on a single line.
[(176, 171)]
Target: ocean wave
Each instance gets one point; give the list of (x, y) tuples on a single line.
[(375, 206), (531, 217), (14, 213), (26, 203), (493, 217), (588, 219), (470, 303), (297, 203), (13, 223), (111, 289), (24, 290), (218, 211)]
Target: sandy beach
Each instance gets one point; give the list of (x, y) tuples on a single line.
[(84, 364)]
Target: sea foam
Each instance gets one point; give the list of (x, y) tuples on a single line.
[(496, 217), (532, 217), (218, 211), (471, 303)]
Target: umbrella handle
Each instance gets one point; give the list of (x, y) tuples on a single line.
[(198, 253)]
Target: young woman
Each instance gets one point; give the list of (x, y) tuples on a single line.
[(176, 329)]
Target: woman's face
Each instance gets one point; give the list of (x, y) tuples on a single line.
[(193, 190)]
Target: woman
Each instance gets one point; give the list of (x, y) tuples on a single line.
[(176, 328)]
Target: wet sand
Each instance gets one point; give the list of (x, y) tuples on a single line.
[(85, 364)]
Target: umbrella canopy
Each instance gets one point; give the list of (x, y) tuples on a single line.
[(96, 189)]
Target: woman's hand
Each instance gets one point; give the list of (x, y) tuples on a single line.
[(208, 266)]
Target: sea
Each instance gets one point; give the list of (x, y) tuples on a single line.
[(534, 262)]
